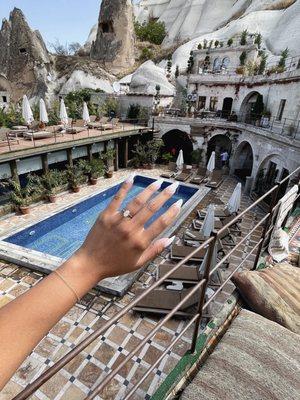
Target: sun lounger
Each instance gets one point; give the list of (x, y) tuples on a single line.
[(171, 173), (179, 252), (74, 130), (162, 299), (38, 135), (235, 227), (185, 273), (199, 177), (98, 124), (197, 224), (184, 175), (215, 180)]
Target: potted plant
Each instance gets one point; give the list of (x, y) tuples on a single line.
[(196, 157), (140, 156), (167, 157), (96, 169), (20, 196), (76, 176), (48, 184), (152, 151), (108, 157)]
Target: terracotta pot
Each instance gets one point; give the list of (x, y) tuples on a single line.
[(76, 189), (109, 174), (52, 198), (25, 210), (93, 181)]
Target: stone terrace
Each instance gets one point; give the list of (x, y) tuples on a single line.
[(88, 368)]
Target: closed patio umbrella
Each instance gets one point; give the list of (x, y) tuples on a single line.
[(209, 221), (211, 163), (205, 260), (43, 112), (180, 160), (234, 202), (26, 111), (63, 116), (86, 114)]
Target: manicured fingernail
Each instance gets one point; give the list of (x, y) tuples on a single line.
[(130, 179), (169, 241), (178, 204), (157, 184), (172, 188)]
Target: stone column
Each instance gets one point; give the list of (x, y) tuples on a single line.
[(70, 157), (126, 152), (117, 155), (14, 170), (45, 163), (248, 185), (90, 152)]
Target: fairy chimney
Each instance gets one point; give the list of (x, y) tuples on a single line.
[(114, 44)]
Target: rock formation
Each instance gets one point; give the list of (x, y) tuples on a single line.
[(114, 44), (24, 59)]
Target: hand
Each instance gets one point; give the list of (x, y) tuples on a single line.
[(117, 245)]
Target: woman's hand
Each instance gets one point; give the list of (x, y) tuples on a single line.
[(116, 244)]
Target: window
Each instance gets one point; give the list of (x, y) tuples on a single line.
[(217, 64), (23, 50), (225, 62), (4, 99), (107, 27), (213, 103), (281, 109), (202, 102)]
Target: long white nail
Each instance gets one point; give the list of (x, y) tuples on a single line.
[(130, 179), (172, 188), (157, 184), (178, 204), (168, 241)]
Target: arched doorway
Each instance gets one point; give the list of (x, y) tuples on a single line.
[(251, 106), (227, 107), (243, 160), (219, 143), (176, 140)]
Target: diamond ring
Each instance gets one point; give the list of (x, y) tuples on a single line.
[(126, 213)]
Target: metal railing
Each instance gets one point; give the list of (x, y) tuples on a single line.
[(15, 139), (284, 127), (266, 223)]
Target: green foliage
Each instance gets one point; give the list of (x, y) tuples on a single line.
[(49, 183), (147, 153), (197, 156), (216, 43), (11, 117), (53, 114), (244, 36), (205, 44), (263, 63), (108, 158), (230, 42), (93, 169), (243, 58), (153, 31), (283, 56), (252, 68), (169, 65), (19, 196), (199, 47), (146, 54), (167, 157), (76, 174), (110, 105), (133, 111), (74, 101), (177, 72), (258, 40)]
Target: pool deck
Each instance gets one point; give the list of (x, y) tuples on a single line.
[(88, 368)]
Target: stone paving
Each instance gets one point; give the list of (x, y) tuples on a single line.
[(89, 368)]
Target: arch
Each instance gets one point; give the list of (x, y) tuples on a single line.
[(243, 160), (217, 64), (227, 107), (247, 105), (225, 62), (176, 140), (219, 143)]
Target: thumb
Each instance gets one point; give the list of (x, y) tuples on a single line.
[(154, 250)]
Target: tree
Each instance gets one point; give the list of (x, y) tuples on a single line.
[(244, 37), (205, 44), (217, 43), (146, 54), (199, 46), (74, 47), (169, 65), (177, 72), (243, 58), (65, 49), (190, 63), (258, 40), (263, 63), (230, 42), (283, 56), (153, 31), (210, 44)]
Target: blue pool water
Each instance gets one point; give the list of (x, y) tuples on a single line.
[(63, 233)]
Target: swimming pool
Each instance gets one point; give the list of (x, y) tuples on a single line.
[(63, 233)]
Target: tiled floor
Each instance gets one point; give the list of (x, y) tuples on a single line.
[(89, 368)]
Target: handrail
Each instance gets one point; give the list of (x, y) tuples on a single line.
[(196, 319)]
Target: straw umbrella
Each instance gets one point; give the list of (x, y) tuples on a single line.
[(180, 161), (85, 114), (234, 202), (26, 111), (43, 112), (209, 221), (63, 115), (211, 163)]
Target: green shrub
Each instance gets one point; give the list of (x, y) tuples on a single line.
[(230, 42), (244, 35), (243, 58), (146, 54), (263, 63), (133, 111), (217, 43), (74, 101), (199, 46), (283, 56), (177, 71), (153, 31), (111, 105), (258, 40)]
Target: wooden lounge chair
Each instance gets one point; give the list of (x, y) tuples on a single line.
[(163, 300), (220, 212), (179, 252), (215, 180), (199, 177), (197, 224), (38, 135), (172, 167), (235, 228), (185, 175), (185, 273), (98, 124)]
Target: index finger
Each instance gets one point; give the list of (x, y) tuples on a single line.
[(116, 202)]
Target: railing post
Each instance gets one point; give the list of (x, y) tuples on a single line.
[(8, 141), (267, 224), (207, 269)]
